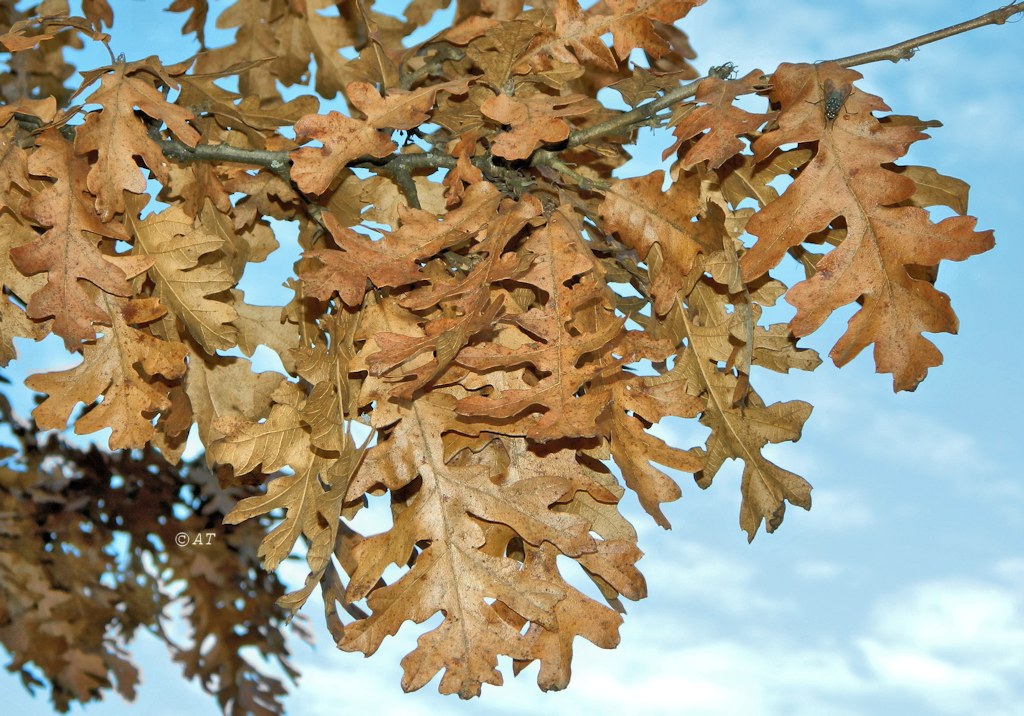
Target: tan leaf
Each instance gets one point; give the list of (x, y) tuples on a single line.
[(118, 135), (883, 240), (395, 259), (175, 247), (634, 449), (742, 433), (533, 121), (68, 250), (633, 24), (400, 109), (644, 216), (722, 121), (117, 367), (448, 513), (564, 269), (344, 139)]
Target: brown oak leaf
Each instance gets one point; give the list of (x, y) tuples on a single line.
[(183, 286), (118, 135), (344, 139), (723, 122), (68, 250), (644, 216), (532, 121), (118, 367), (849, 177), (568, 357), (395, 259), (400, 109)]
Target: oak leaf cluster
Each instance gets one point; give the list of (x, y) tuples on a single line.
[(486, 324)]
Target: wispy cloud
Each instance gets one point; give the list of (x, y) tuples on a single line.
[(956, 644)]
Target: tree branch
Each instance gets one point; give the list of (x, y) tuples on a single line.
[(641, 114), (906, 49), (181, 152), (400, 166), (635, 117)]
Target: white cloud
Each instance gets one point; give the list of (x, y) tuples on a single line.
[(955, 644), (704, 579), (923, 443), (835, 510), (724, 677), (1011, 571), (949, 646)]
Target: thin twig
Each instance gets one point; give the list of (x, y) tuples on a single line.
[(399, 165), (906, 49), (181, 152), (636, 116), (544, 157), (902, 50), (403, 178), (433, 66)]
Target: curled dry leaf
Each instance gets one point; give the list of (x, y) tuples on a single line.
[(532, 121)]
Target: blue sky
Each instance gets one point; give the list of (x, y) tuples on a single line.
[(902, 590)]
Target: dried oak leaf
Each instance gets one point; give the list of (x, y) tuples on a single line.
[(576, 31), (934, 189), (183, 286), (13, 169), (249, 114), (68, 250), (532, 121), (326, 366), (446, 519), (850, 177), (196, 21), (265, 325), (395, 259), (468, 305), (568, 353), (594, 495), (287, 33), (574, 615), (741, 433), (723, 122), (344, 139), (742, 177), (465, 173), (498, 51), (118, 135), (399, 109), (14, 322), (633, 24), (644, 216), (217, 386), (306, 495), (119, 367), (634, 449), (740, 423), (98, 13), (48, 19), (643, 84)]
